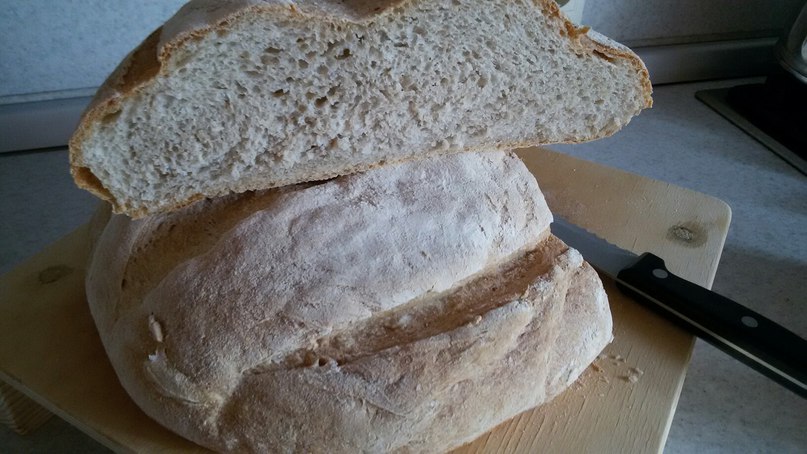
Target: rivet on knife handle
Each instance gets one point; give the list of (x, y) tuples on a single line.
[(751, 338)]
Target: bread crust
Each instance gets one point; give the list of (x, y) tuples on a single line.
[(202, 17), (398, 336)]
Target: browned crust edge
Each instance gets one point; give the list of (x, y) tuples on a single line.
[(144, 64)]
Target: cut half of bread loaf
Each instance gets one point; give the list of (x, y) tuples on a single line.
[(238, 95), (410, 309)]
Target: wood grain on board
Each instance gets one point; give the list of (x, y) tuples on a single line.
[(624, 402)]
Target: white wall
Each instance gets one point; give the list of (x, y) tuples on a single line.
[(657, 22), (67, 45)]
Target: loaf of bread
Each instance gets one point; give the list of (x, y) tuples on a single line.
[(409, 308), (236, 95)]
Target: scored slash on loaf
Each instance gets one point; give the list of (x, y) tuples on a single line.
[(238, 95)]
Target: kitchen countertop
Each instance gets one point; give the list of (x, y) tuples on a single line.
[(724, 405)]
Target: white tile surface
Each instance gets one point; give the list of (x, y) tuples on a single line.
[(38, 203), (725, 407)]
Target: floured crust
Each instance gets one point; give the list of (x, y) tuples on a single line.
[(201, 17), (351, 315)]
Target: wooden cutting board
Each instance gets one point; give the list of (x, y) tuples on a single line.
[(624, 402)]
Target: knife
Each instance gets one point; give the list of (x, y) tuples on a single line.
[(749, 337)]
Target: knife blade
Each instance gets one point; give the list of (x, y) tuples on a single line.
[(746, 335)]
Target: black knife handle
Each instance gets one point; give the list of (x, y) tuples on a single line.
[(751, 338)]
